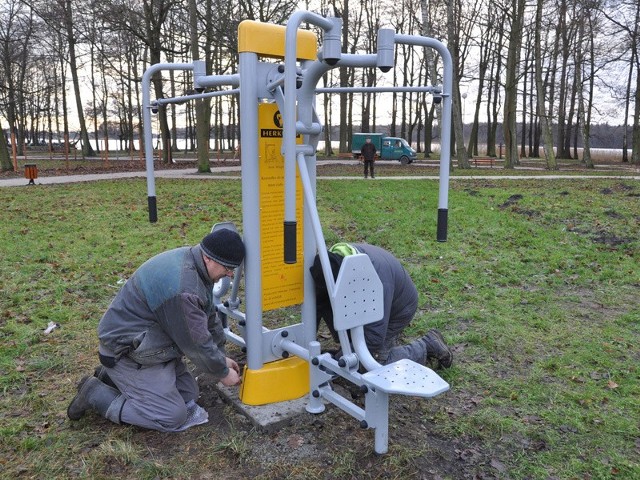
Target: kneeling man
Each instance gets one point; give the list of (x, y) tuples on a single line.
[(164, 312)]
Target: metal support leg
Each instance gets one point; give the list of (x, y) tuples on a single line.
[(377, 417), (316, 378)]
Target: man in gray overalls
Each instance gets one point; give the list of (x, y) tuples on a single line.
[(400, 305), (164, 312)]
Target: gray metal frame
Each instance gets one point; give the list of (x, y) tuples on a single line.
[(295, 90)]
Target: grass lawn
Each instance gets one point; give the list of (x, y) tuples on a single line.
[(536, 289)]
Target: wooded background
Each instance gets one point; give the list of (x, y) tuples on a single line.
[(545, 71)]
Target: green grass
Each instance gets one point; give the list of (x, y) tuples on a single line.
[(536, 288)]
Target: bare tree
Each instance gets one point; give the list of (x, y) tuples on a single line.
[(146, 21), (431, 72), (272, 11), (372, 22), (202, 107), (16, 50), (565, 33), (511, 84), (540, 93), (5, 160), (625, 17), (52, 13), (346, 127), (527, 68), (585, 69), (453, 11), (498, 16), (486, 44)]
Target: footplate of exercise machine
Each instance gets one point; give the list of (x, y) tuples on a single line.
[(406, 377)]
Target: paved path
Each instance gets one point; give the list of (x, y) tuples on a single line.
[(191, 173), (91, 177)]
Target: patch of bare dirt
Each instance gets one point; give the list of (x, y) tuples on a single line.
[(328, 446), (318, 442)]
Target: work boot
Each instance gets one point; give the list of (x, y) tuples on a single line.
[(101, 374), (437, 348), (95, 395)]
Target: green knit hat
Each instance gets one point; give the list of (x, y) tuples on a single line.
[(344, 249)]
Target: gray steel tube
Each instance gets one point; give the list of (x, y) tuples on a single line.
[(251, 208), (445, 136), (289, 130), (148, 134)]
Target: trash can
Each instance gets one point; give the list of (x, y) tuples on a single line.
[(31, 173)]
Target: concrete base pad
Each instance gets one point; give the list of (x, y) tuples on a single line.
[(267, 418)]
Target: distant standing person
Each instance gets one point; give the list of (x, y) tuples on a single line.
[(368, 152)]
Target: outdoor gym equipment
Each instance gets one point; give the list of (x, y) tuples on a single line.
[(280, 135)]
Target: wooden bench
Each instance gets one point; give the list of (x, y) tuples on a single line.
[(491, 161)]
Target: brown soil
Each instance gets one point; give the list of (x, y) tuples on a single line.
[(330, 445)]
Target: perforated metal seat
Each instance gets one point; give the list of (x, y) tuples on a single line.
[(357, 300), (406, 377)]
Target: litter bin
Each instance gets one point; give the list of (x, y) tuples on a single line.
[(31, 173)]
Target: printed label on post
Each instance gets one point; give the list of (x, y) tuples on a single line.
[(282, 284)]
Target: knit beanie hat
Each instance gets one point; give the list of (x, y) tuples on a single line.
[(344, 249), (317, 274), (224, 246)]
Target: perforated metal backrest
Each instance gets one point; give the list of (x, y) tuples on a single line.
[(358, 298)]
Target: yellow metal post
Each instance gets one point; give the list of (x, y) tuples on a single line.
[(282, 284)]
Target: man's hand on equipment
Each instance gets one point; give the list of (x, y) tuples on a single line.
[(231, 363), (233, 377)]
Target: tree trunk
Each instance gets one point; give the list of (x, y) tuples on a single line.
[(635, 141), (563, 46), (461, 149), (485, 55), (625, 154), (344, 82), (94, 88), (523, 126), (5, 159), (431, 78), (202, 117), (634, 62), (327, 118), (493, 97), (87, 149), (511, 85), (540, 93)]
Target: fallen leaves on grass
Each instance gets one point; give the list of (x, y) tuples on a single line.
[(498, 465), (295, 441)]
